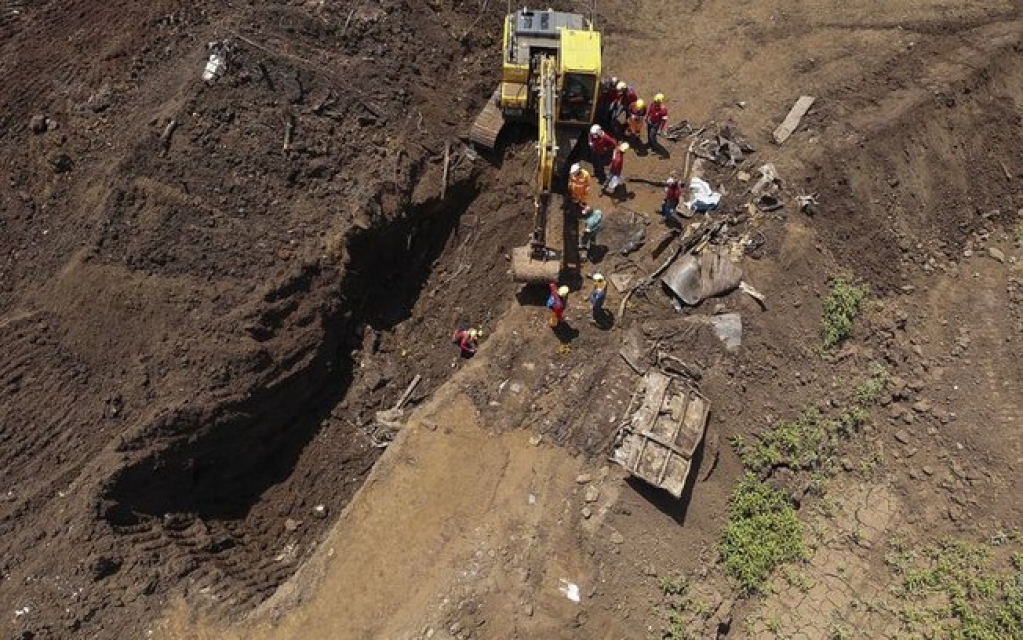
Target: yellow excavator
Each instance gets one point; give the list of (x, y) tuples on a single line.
[(550, 76)]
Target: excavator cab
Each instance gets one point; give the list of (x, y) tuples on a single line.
[(550, 75)]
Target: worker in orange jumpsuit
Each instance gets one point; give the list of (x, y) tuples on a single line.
[(637, 116), (579, 185), (656, 120)]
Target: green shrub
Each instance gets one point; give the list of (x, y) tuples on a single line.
[(762, 533), (843, 304)]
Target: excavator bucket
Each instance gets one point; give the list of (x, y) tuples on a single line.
[(531, 270), (488, 123)]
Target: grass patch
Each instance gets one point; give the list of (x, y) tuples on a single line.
[(843, 304), (953, 590), (807, 443), (762, 533)]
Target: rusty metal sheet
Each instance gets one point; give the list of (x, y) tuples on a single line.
[(695, 278)]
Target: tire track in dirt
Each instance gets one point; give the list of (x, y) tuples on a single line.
[(42, 383)]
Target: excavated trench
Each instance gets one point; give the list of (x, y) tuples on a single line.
[(230, 506)]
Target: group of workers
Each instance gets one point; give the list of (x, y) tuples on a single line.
[(621, 118), (557, 301)]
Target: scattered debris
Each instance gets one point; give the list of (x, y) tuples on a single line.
[(768, 183), (748, 289), (634, 241), (570, 589), (633, 352), (791, 122), (39, 123), (217, 63), (704, 198), (996, 254), (165, 137), (808, 203), (728, 329), (620, 281)]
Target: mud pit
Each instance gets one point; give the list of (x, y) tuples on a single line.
[(198, 334)]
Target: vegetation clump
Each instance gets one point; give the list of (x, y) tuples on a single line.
[(843, 304), (763, 532)]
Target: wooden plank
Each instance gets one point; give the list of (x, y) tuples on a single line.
[(791, 122), (655, 384)]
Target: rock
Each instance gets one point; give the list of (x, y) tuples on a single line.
[(104, 566), (320, 511), (61, 163), (902, 436), (583, 478), (528, 609), (922, 406), (455, 628), (38, 124), (535, 440), (291, 525), (586, 513), (617, 538), (928, 470), (996, 253), (650, 571), (592, 494)]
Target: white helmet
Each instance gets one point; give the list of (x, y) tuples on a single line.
[(671, 181), (595, 130), (576, 168)]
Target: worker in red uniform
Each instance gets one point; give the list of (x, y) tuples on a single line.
[(556, 302), (615, 182), (656, 120), (467, 340), (672, 196), (601, 147)]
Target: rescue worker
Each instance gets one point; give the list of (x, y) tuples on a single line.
[(656, 120), (672, 196), (579, 185), (615, 181), (467, 340), (637, 116), (626, 97), (592, 219), (557, 302), (606, 98), (597, 298), (601, 147)]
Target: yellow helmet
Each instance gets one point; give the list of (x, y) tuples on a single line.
[(659, 97), (623, 147), (640, 104), (562, 291), (621, 86), (598, 277)]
